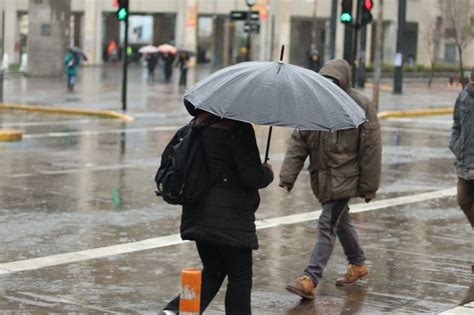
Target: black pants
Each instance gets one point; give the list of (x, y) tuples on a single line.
[(183, 79), (218, 262)]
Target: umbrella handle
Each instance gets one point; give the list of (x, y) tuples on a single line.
[(268, 144)]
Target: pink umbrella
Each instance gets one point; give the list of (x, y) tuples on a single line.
[(166, 48), (148, 50)]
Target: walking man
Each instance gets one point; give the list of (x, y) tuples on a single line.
[(343, 164), (462, 145)]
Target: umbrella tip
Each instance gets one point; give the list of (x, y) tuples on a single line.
[(282, 53)]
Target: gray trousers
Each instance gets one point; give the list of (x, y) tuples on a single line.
[(334, 221)]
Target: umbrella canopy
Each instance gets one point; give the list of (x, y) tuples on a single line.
[(78, 51), (166, 48), (276, 94), (149, 49)]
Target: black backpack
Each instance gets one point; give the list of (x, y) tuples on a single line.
[(183, 176)]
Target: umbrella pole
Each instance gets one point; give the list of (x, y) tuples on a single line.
[(268, 144), (282, 51)]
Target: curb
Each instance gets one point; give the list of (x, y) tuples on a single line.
[(68, 110), (10, 135), (416, 112)]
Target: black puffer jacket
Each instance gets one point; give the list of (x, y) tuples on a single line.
[(227, 215)]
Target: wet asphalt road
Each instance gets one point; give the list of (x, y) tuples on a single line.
[(79, 183)]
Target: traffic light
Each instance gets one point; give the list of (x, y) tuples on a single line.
[(122, 11), (366, 15), (346, 12)]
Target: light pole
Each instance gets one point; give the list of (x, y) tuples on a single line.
[(313, 22), (250, 4)]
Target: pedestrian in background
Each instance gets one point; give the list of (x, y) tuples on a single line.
[(343, 164), (151, 60), (183, 62), (314, 60), (167, 62), (462, 145), (71, 64), (112, 52), (223, 224)]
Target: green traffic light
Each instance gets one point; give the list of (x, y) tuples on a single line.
[(122, 14), (346, 17)]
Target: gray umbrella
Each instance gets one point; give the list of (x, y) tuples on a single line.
[(276, 94)]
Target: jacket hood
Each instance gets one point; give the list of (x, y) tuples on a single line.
[(340, 70), (470, 89)]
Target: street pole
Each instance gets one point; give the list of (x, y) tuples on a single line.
[(313, 28), (348, 35), (398, 73), (125, 67), (362, 54), (378, 55), (355, 41), (249, 31), (332, 41)]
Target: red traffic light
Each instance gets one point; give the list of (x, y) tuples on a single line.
[(368, 4)]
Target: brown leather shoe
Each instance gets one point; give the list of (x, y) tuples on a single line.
[(354, 272), (304, 287)]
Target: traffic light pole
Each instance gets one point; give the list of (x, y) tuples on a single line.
[(332, 40), (355, 41), (362, 54), (125, 67), (398, 73)]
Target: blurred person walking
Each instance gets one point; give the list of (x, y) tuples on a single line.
[(167, 59), (462, 145), (151, 61), (223, 224), (72, 61), (183, 62), (343, 164), (314, 60)]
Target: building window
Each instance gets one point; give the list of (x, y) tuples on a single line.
[(450, 53)]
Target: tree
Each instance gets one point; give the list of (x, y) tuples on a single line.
[(459, 26), (432, 38)]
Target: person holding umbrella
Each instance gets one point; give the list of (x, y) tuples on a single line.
[(223, 224), (343, 164), (265, 93), (72, 61)]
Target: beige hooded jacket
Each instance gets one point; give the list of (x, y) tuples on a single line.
[(345, 163)]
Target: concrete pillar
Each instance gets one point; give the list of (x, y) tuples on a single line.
[(186, 24), (389, 44), (339, 39), (48, 36), (281, 36), (2, 8), (11, 31), (93, 31)]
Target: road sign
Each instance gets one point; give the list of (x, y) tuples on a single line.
[(242, 15), (254, 27)]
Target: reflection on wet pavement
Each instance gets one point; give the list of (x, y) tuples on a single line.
[(79, 183)]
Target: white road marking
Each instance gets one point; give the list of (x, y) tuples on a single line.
[(175, 239), (424, 121), (425, 131), (467, 309)]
